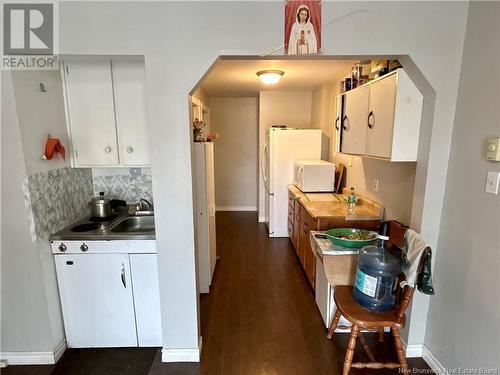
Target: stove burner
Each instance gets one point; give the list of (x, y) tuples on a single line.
[(87, 227), (102, 219)]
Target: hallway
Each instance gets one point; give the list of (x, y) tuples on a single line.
[(260, 318)]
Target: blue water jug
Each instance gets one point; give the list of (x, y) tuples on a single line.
[(376, 276)]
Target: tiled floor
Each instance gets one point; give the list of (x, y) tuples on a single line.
[(259, 319)]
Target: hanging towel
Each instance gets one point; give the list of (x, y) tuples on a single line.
[(413, 250), (54, 145)]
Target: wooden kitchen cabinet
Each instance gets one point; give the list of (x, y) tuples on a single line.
[(381, 119), (318, 216), (91, 113), (395, 113), (130, 110), (353, 121), (96, 300), (106, 113)]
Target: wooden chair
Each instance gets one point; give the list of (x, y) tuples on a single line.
[(339, 173), (362, 318)]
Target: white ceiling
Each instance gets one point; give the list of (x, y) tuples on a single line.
[(234, 77)]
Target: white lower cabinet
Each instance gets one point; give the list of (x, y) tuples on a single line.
[(146, 299), (324, 295), (109, 300)]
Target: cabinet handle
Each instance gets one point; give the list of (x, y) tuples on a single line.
[(305, 227), (84, 247), (371, 125), (62, 247), (337, 123), (344, 121), (130, 149), (124, 282), (107, 150)]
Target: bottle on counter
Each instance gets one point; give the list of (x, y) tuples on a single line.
[(351, 202)]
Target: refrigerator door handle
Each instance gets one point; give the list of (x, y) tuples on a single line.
[(263, 159)]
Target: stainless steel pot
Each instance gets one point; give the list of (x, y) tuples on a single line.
[(100, 206)]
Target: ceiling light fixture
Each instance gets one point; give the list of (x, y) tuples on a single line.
[(270, 77)]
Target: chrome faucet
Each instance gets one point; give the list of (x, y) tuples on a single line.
[(145, 205)]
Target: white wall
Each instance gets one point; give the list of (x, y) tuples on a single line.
[(24, 311), (40, 114), (236, 152), (464, 317), (290, 108), (430, 32), (323, 116)]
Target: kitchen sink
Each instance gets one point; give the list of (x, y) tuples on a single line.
[(135, 224)]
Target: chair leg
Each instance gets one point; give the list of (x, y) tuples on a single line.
[(366, 347), (380, 334), (399, 349), (350, 349), (333, 324)]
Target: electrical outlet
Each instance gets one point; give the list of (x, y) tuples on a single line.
[(492, 181), (375, 185), (135, 171), (349, 161)]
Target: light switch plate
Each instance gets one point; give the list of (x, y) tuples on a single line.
[(493, 149), (349, 161), (492, 181)]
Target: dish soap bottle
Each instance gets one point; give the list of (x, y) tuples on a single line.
[(351, 202), (377, 274)]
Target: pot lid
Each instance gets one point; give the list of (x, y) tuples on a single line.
[(99, 199)]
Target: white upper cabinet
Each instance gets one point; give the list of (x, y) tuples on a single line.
[(382, 118), (106, 113), (354, 121), (91, 113), (130, 109)]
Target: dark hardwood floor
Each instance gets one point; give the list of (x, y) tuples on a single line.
[(259, 319)]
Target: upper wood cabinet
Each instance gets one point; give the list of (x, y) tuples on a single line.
[(106, 113), (382, 118), (354, 120)]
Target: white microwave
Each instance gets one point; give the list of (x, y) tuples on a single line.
[(314, 176)]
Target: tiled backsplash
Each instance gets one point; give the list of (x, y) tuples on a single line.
[(123, 186), (58, 198)]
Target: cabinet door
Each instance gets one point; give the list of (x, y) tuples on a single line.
[(354, 121), (296, 225), (130, 108), (96, 299), (380, 122), (91, 112), (337, 124), (307, 223), (310, 264), (144, 268)]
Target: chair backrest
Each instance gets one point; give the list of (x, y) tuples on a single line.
[(396, 240), (339, 173)]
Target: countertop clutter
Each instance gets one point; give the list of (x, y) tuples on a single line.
[(322, 205)]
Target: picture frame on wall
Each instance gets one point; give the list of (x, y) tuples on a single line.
[(302, 27)]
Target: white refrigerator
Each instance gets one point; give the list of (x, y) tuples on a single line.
[(204, 207), (281, 148)]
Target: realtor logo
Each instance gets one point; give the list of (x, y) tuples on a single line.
[(28, 29)]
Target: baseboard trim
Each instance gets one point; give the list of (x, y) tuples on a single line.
[(35, 358), (420, 350), (236, 208), (182, 355), (414, 351), (433, 362)]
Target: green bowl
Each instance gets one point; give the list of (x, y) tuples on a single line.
[(335, 236)]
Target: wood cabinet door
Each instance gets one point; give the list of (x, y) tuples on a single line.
[(96, 300), (296, 225), (380, 122), (307, 223), (310, 265), (130, 109), (354, 121), (91, 112)]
